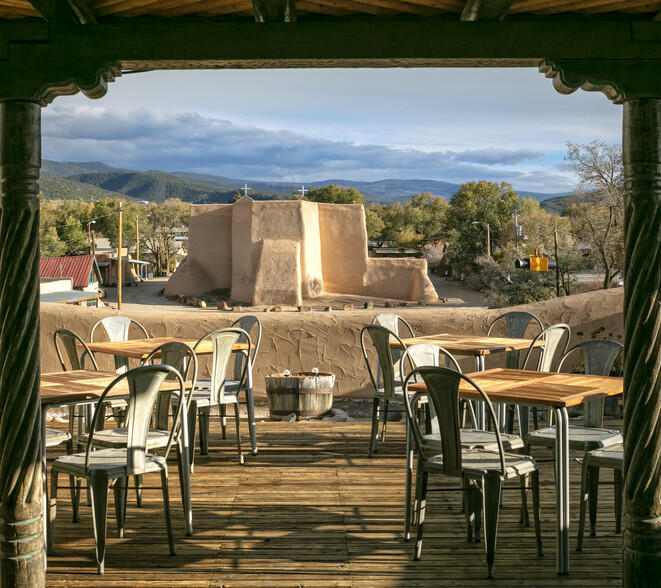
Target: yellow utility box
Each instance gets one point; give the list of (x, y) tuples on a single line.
[(538, 263)]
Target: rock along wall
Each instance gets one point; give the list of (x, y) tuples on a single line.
[(330, 340), (282, 252)]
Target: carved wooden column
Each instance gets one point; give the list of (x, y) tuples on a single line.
[(642, 331), (21, 530)]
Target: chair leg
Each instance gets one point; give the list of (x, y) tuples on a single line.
[(99, 489), (223, 420), (237, 420), (166, 506), (421, 513), (467, 506), (385, 420), (52, 512), (203, 417), (75, 500), (585, 475), (534, 479), (491, 502), (138, 490), (374, 447), (120, 490), (409, 477), (593, 498), (525, 517), (618, 500), (418, 491)]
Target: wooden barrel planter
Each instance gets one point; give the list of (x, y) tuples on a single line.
[(306, 394)]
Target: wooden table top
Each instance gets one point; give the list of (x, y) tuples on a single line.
[(537, 388), (470, 344), (141, 348), (77, 386)]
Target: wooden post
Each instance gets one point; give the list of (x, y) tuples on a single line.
[(557, 262), (21, 522), (119, 259), (641, 558)]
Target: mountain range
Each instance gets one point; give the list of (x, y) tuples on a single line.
[(95, 180)]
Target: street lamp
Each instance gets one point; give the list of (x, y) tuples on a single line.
[(89, 235), (488, 235)]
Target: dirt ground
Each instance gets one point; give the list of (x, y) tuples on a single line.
[(145, 297)]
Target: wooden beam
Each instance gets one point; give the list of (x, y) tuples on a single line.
[(485, 10), (64, 11)]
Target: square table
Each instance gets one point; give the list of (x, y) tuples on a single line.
[(558, 391), (86, 387), (141, 348)]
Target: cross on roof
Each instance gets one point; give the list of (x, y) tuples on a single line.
[(303, 191), (245, 189)]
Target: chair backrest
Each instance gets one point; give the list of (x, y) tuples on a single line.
[(144, 384), (514, 324), (117, 328), (223, 341), (72, 343), (182, 358), (443, 393), (426, 354), (556, 340), (392, 322), (598, 358), (251, 325), (384, 371)]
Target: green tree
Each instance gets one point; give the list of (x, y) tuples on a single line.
[(373, 223), (335, 194), (596, 208), (163, 223)]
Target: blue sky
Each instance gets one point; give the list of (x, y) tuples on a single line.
[(300, 125)]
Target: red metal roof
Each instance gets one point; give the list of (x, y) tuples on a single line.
[(78, 267)]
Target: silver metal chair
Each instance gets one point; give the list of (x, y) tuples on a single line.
[(611, 457), (516, 325), (387, 384), (430, 355), (114, 466), (207, 394), (182, 358), (117, 328), (394, 323), (556, 340), (481, 472), (251, 325)]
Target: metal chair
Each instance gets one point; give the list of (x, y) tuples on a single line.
[(430, 355), (117, 329), (387, 384), (213, 392), (114, 466), (251, 325), (556, 340), (481, 472), (394, 323), (609, 457), (516, 325), (182, 358), (71, 343)]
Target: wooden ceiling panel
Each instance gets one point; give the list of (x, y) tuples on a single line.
[(305, 6), (199, 7), (581, 6)]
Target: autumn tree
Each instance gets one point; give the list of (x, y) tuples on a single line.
[(163, 222), (596, 208)]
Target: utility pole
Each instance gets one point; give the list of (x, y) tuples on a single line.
[(557, 262), (137, 239), (516, 232), (119, 259)]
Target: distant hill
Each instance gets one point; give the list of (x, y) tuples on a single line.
[(555, 204), (156, 186), (59, 188)]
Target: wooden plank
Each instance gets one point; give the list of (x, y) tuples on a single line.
[(470, 344), (141, 348)]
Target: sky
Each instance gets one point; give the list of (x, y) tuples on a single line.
[(305, 125)]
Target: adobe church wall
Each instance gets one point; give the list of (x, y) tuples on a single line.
[(330, 340)]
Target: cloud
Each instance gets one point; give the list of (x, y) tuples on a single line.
[(145, 138)]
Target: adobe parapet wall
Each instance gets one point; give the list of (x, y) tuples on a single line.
[(330, 340), (284, 252)]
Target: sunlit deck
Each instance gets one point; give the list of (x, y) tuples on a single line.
[(312, 510)]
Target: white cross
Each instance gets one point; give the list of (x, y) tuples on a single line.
[(303, 191), (245, 189)]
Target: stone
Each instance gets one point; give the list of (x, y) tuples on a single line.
[(402, 303), (348, 307), (304, 308), (181, 299), (368, 305), (191, 301), (422, 303), (338, 412), (201, 303), (389, 304), (267, 309), (276, 309), (290, 418), (222, 305), (237, 309), (328, 308), (394, 416)]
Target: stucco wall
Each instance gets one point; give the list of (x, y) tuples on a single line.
[(330, 340)]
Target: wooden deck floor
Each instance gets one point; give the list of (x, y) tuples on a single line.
[(312, 510)]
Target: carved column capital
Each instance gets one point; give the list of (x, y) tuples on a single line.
[(620, 80)]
